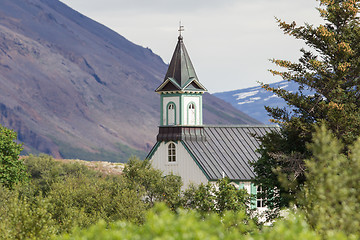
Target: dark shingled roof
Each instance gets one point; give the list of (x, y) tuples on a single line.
[(227, 150), (181, 72), (180, 68)]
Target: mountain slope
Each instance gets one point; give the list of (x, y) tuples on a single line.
[(252, 100), (73, 88)]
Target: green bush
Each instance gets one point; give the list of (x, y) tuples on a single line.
[(83, 201), (61, 196), (12, 169), (141, 174), (219, 197), (161, 223), (45, 171), (331, 196), (23, 218)]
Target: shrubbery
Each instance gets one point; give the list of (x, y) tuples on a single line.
[(161, 223), (12, 170), (70, 201), (330, 196), (216, 198), (61, 196)]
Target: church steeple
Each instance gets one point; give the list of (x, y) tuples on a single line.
[(181, 75), (181, 92)]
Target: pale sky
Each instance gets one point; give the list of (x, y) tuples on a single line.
[(229, 41)]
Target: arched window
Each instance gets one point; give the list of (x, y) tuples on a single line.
[(171, 114), (191, 114), (171, 152)]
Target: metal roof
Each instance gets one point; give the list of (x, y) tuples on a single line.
[(227, 150), (181, 71)]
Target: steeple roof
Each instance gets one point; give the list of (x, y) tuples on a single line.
[(181, 73)]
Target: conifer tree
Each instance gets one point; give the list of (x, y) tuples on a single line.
[(329, 197), (330, 67)]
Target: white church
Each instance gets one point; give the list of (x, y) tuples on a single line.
[(196, 152)]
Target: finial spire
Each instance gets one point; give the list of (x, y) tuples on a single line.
[(181, 29)]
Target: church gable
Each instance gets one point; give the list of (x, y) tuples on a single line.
[(168, 85), (173, 157), (194, 85)]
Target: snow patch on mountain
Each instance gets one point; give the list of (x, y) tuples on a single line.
[(253, 100), (245, 95)]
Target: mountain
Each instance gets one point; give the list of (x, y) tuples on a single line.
[(73, 88), (252, 100)]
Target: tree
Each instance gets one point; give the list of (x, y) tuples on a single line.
[(12, 169), (330, 67), (216, 198), (157, 187), (330, 196)]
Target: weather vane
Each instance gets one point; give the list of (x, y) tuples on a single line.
[(181, 28)]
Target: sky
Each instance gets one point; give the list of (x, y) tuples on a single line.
[(229, 42)]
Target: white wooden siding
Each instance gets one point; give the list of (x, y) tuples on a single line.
[(184, 166)]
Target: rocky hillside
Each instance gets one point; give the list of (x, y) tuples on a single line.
[(73, 88)]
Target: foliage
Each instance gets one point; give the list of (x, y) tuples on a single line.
[(157, 188), (294, 227), (81, 201), (45, 171), (12, 169), (69, 199), (330, 197), (218, 198), (61, 196), (24, 218), (330, 68), (161, 223)]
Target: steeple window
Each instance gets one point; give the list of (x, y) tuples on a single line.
[(171, 114), (191, 114)]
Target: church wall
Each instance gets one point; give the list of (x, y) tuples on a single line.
[(184, 166)]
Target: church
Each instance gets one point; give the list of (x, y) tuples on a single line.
[(196, 152)]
